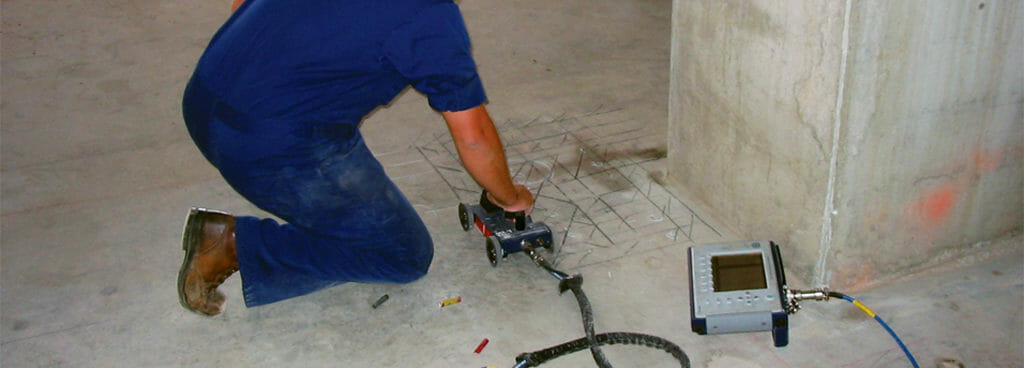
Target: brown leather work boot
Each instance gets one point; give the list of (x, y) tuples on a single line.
[(210, 257)]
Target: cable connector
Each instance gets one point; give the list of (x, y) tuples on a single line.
[(543, 263), (794, 297), (532, 253)]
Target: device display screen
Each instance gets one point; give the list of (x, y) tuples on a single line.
[(738, 272)]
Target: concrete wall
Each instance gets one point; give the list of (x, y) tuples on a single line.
[(872, 139)]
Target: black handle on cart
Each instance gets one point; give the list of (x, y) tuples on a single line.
[(519, 217)]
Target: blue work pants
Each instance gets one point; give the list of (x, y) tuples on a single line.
[(345, 219)]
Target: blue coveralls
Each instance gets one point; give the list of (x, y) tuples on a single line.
[(275, 104)]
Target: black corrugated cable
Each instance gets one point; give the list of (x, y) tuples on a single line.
[(591, 340)]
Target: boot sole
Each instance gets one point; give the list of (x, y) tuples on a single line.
[(190, 241)]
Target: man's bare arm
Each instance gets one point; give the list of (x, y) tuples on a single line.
[(483, 155)]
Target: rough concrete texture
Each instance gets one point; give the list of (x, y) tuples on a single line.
[(753, 86), (931, 149), (98, 173), (874, 140)]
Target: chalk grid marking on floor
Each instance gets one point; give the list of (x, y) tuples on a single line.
[(596, 178)]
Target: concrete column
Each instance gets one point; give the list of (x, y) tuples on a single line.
[(871, 139)]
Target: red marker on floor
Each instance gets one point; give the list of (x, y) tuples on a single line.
[(480, 347)]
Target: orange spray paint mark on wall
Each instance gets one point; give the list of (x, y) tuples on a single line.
[(935, 205)]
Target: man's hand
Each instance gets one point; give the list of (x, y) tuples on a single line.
[(524, 200)]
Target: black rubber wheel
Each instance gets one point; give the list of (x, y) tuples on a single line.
[(494, 251), (464, 216)]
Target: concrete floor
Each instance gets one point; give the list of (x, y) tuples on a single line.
[(98, 173)]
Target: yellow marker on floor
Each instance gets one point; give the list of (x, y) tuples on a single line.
[(447, 302)]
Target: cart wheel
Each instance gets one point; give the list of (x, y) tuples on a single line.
[(494, 251), (464, 216)]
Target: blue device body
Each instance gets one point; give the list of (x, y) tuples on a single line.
[(506, 233)]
